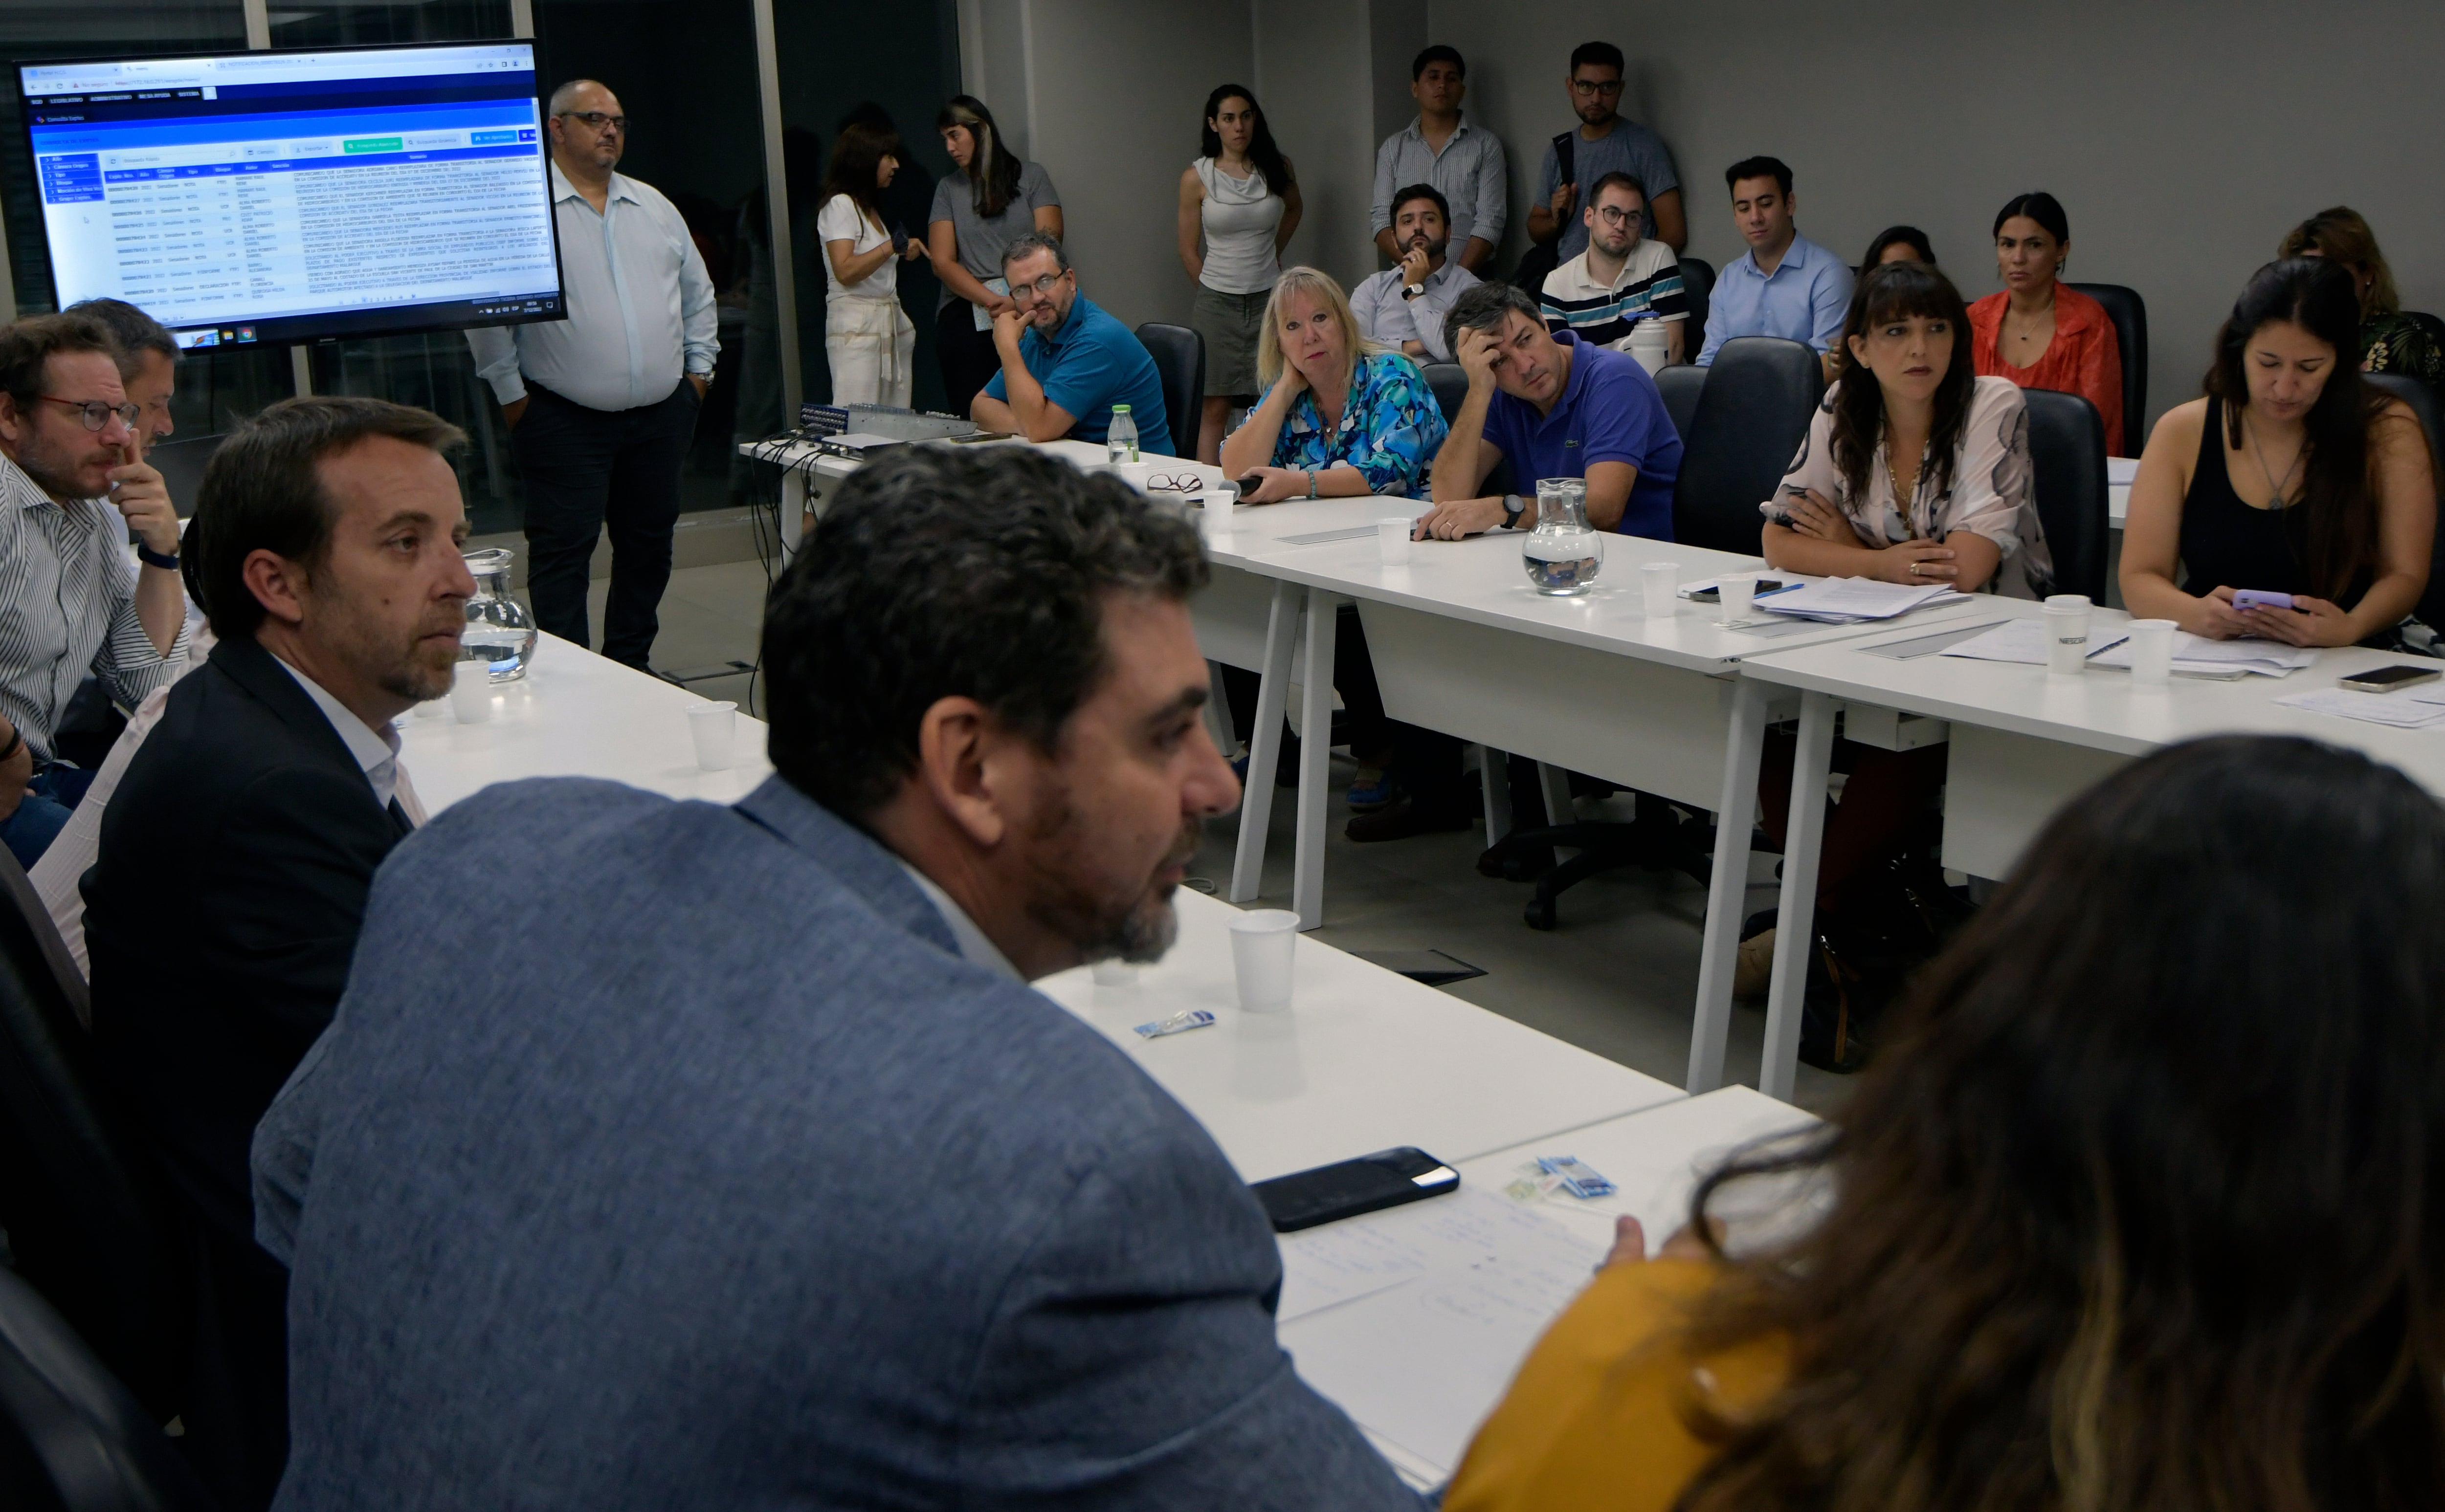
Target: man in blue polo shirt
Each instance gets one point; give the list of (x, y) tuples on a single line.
[(1064, 361), (1557, 408), (1786, 285)]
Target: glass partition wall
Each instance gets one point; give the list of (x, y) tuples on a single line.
[(686, 74)]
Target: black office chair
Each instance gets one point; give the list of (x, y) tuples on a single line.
[(180, 462), (72, 1437), (2067, 456), (1697, 284), (1751, 417), (1450, 382), (2129, 313), (2422, 400), (1681, 384), (82, 1204), (1180, 361)]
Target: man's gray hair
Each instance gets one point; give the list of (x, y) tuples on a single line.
[(1030, 242), (567, 94), (1485, 307)]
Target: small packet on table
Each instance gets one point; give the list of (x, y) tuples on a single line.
[(1181, 1023)]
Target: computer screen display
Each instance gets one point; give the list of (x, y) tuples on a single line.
[(287, 196)]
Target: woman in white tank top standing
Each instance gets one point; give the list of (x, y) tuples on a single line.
[(1238, 205)]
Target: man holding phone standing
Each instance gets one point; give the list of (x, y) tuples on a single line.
[(70, 605)]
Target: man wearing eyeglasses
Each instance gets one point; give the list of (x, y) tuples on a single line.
[(1604, 143), (1622, 278), (1065, 362), (69, 604), (602, 405)]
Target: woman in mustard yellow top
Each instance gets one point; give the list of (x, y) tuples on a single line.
[(2146, 1209)]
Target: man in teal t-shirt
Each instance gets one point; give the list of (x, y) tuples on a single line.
[(1065, 362)]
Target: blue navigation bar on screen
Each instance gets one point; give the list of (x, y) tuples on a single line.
[(289, 165), (392, 119)]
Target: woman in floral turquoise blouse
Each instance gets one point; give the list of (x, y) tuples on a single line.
[(1341, 414)]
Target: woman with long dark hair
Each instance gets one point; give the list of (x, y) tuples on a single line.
[(869, 341), (1238, 205), (1899, 244), (2039, 331), (2142, 1210), (1915, 470), (2291, 476), (992, 200)]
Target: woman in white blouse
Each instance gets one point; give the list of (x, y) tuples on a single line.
[(869, 341), (1238, 205), (1910, 420)]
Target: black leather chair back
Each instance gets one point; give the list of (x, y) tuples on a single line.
[(180, 463), (71, 1435), (79, 1197), (2129, 313), (2068, 456), (1179, 356), (1450, 382), (1681, 384), (1697, 282), (1751, 417), (2422, 400)]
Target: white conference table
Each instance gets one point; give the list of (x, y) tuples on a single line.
[(1415, 1319), (2022, 743)]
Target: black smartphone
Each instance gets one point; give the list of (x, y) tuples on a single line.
[(1711, 595), (1385, 1179), (2385, 679), (1248, 483)]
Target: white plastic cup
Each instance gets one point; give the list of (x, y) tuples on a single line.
[(1113, 974), (1392, 537), (1738, 593), (1661, 582), (714, 728), (1263, 941), (2152, 653), (470, 691), (2066, 626), (1133, 473)]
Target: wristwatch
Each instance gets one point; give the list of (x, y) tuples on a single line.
[(1413, 290), (1513, 507), (153, 558)]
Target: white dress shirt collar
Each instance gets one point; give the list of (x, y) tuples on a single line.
[(377, 752), (562, 189), (975, 948)]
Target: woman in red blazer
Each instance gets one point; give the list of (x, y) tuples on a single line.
[(2042, 333)]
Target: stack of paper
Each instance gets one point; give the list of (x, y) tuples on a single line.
[(1853, 601), (2420, 710), (2197, 656), (2023, 640)]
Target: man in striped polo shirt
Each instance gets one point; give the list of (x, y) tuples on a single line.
[(1622, 278)]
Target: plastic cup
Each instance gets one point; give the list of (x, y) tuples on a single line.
[(714, 728), (1263, 941), (470, 691), (1113, 974), (2152, 653), (2067, 628), (1392, 538), (1738, 595), (1661, 582), (1133, 473)]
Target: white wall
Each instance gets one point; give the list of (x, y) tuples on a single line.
[(2183, 137), (1314, 79)]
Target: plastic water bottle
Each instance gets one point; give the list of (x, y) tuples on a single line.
[(1121, 441)]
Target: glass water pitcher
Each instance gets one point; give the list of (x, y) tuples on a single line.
[(500, 631), (1564, 553)]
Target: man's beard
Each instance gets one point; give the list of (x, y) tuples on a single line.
[(1137, 929), (400, 672), (52, 473), (1433, 250)]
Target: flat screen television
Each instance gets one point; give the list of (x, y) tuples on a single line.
[(286, 197)]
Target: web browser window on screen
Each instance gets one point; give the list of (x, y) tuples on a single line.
[(261, 196)]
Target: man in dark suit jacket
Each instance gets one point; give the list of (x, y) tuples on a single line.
[(235, 856), (745, 1169)]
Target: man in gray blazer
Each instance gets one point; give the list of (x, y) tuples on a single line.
[(669, 1156)]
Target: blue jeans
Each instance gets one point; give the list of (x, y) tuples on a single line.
[(44, 812)]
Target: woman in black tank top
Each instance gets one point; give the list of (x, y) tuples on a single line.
[(2335, 507)]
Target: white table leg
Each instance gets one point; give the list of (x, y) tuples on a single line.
[(793, 510), (1727, 887), (1555, 784), (1796, 920), (1265, 742), (1494, 777), (1218, 712), (1316, 758)]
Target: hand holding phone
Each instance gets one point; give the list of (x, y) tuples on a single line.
[(2260, 599)]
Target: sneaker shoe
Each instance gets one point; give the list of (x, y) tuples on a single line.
[(1401, 818), (1370, 790), (1753, 967)]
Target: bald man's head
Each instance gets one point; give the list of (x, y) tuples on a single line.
[(588, 132)]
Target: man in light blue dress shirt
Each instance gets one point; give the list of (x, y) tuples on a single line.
[(602, 406), (1787, 286)]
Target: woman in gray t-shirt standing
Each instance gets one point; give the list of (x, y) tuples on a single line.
[(1238, 205), (991, 201)]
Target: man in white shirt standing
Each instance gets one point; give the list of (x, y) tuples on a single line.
[(1622, 278), (1403, 305), (601, 406), (1441, 149)]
